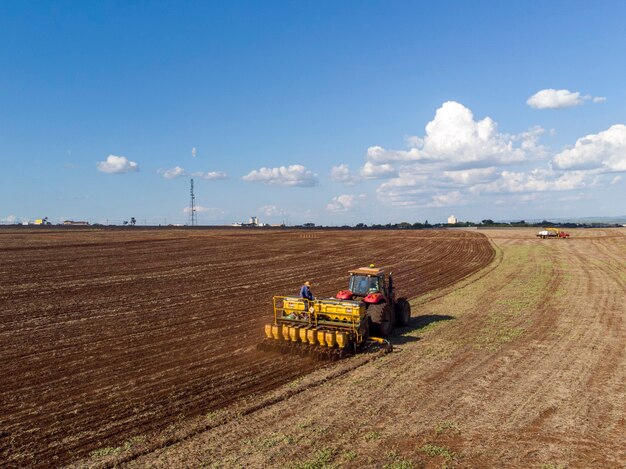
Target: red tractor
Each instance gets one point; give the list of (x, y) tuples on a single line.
[(375, 289), (552, 233)]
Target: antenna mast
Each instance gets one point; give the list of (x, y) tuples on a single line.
[(193, 220)]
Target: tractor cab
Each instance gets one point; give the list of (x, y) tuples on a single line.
[(362, 284), (368, 284)]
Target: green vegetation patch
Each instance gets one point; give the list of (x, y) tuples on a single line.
[(434, 451), (275, 439), (106, 451), (446, 426), (530, 270), (321, 460), (115, 450), (494, 337), (397, 462)]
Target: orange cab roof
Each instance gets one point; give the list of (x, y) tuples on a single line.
[(367, 271)]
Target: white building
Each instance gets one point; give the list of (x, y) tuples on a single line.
[(452, 220), (254, 221)]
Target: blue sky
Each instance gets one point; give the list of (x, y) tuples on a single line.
[(324, 112)]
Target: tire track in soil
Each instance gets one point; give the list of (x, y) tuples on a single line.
[(514, 381), (133, 335), (539, 410)]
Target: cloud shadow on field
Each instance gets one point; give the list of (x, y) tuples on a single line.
[(415, 324)]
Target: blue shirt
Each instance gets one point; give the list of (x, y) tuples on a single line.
[(305, 292)]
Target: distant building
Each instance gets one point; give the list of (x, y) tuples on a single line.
[(452, 220), (76, 223), (254, 221)]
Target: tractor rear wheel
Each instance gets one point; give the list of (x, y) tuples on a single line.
[(381, 319), (403, 312)]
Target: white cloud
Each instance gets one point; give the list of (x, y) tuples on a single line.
[(173, 173), (343, 175), (529, 197), (450, 199), (456, 153), (344, 202), (557, 99), (454, 139), (529, 142), (272, 211), (407, 190), (211, 175), (177, 172), (461, 158), (291, 176), (538, 180), (208, 212), (417, 191), (605, 150), (454, 136), (471, 176), (378, 171), (201, 209), (422, 191), (116, 165), (379, 155), (193, 152), (405, 179)]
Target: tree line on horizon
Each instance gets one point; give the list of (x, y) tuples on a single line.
[(487, 223)]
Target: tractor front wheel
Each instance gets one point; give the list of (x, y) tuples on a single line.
[(381, 319)]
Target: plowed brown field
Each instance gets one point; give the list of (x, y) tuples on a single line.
[(105, 335), (520, 365)]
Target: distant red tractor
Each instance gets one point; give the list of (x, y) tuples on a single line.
[(375, 289), (552, 233)]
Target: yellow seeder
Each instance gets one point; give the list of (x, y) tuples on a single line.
[(327, 329)]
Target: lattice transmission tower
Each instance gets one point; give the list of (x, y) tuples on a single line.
[(193, 218)]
